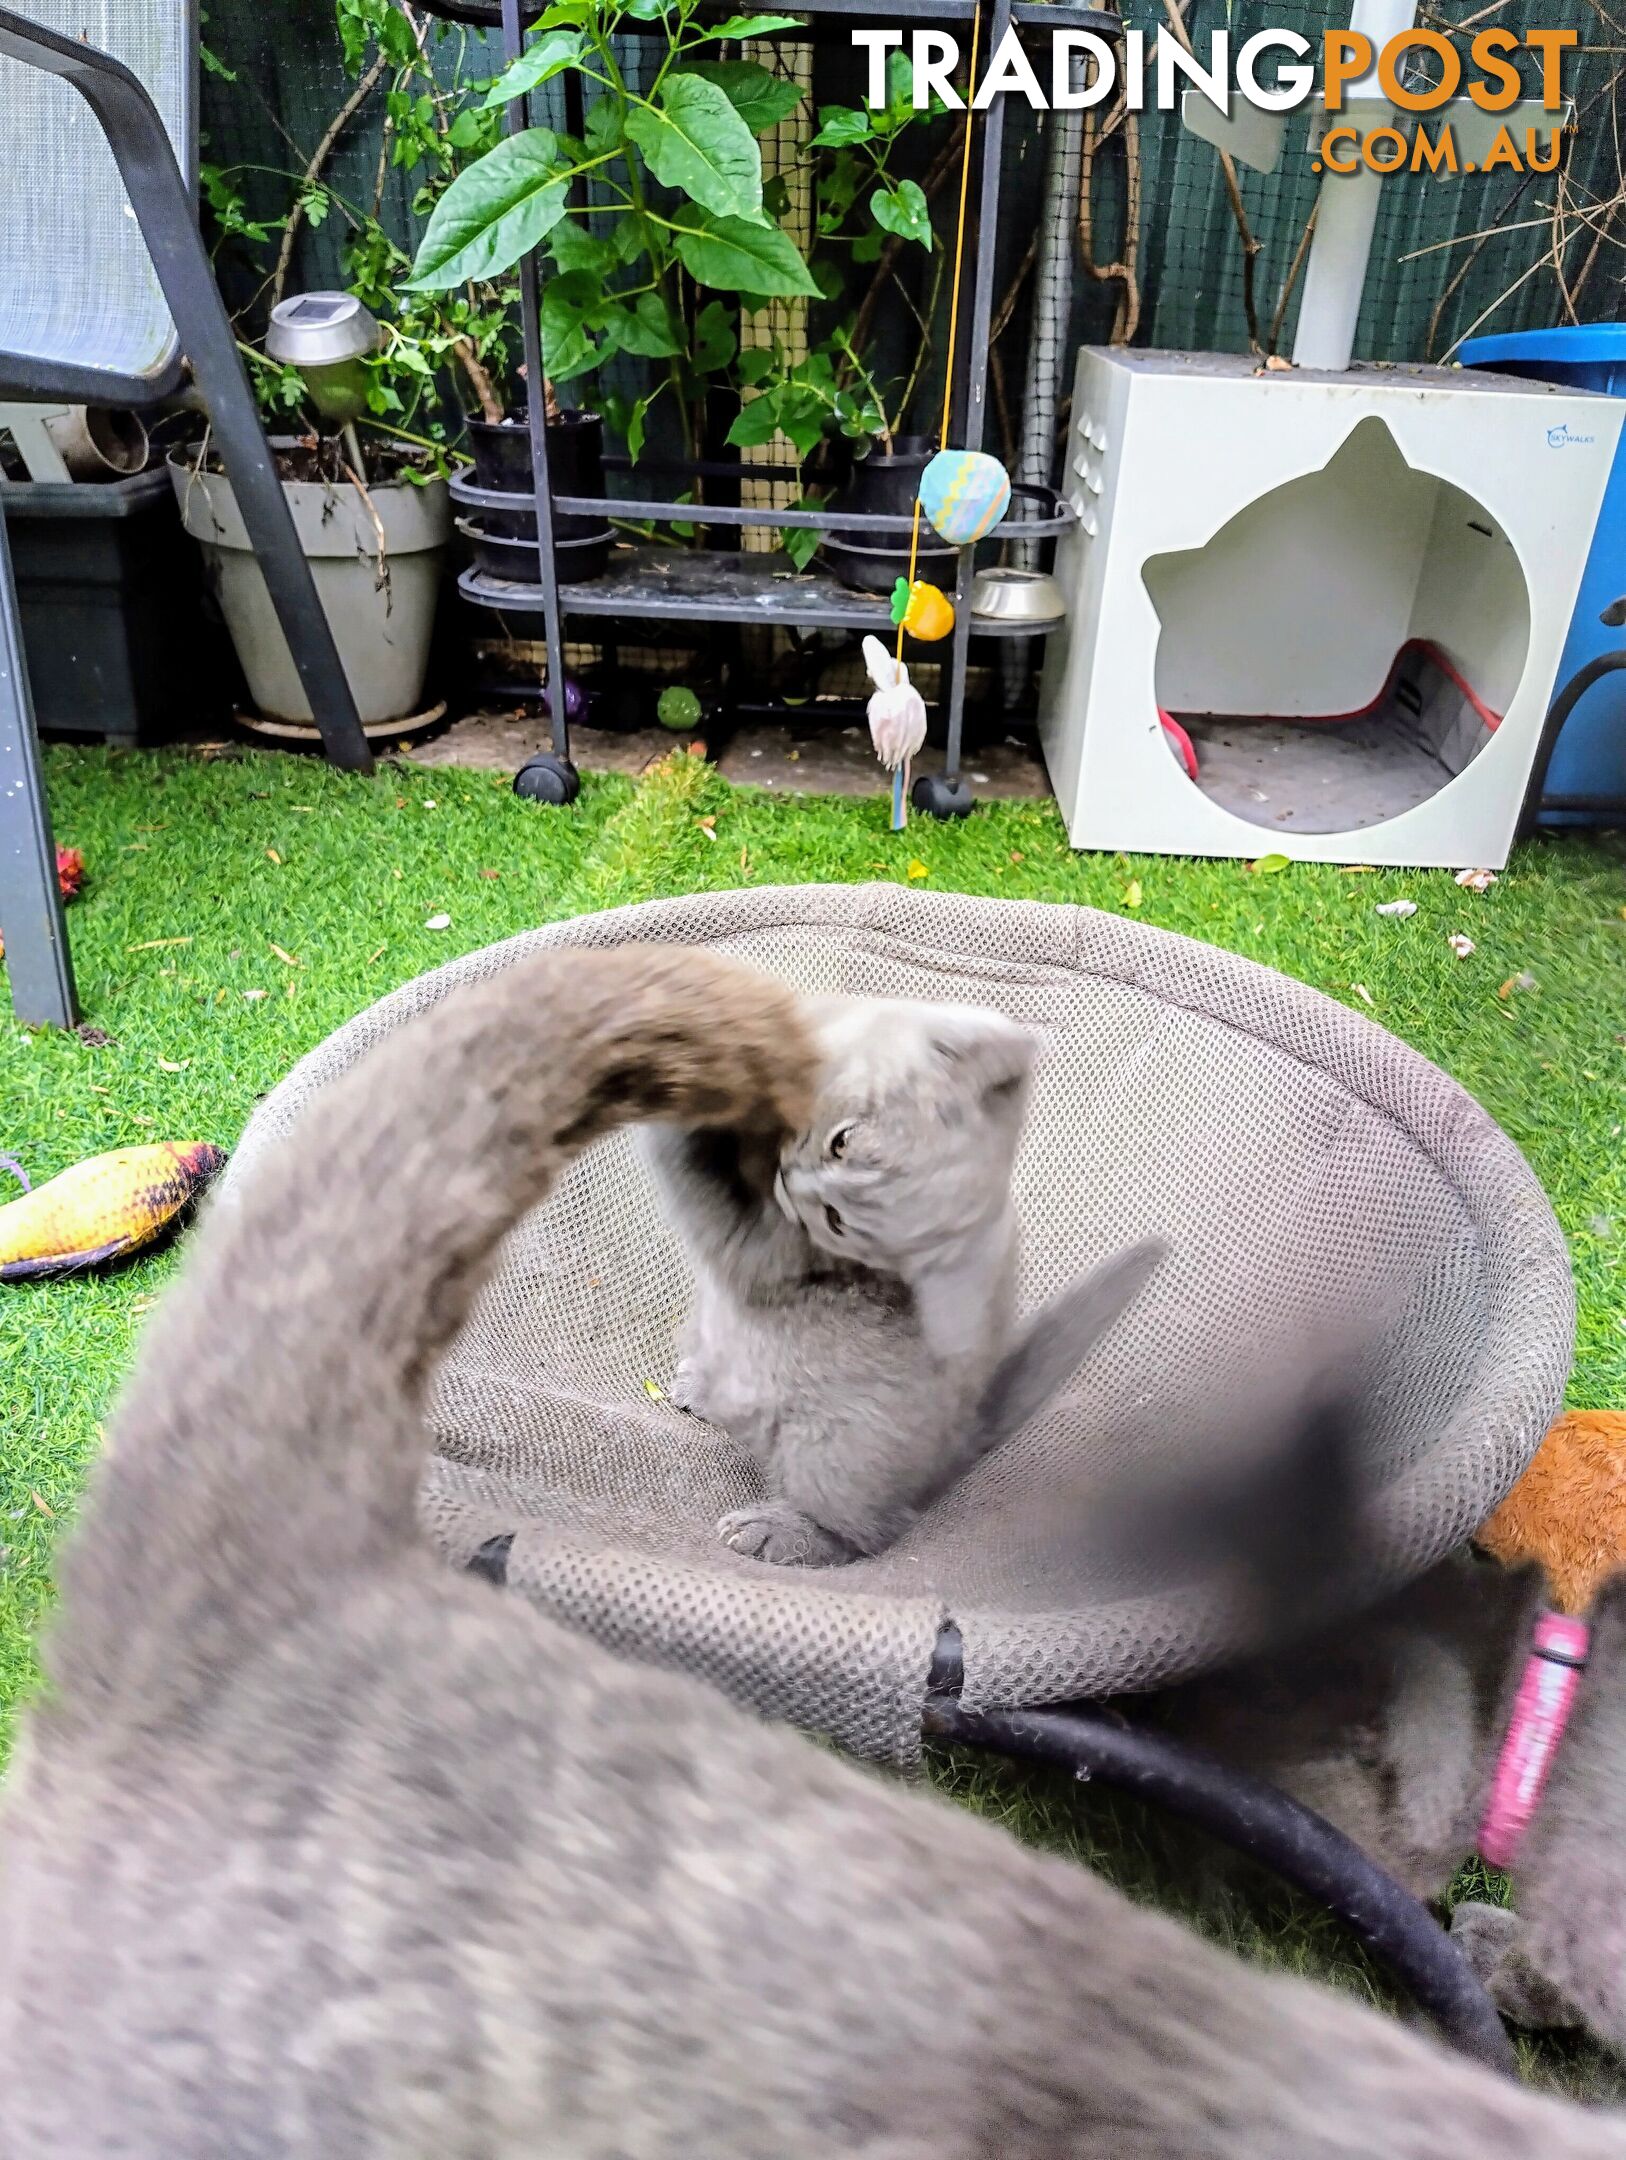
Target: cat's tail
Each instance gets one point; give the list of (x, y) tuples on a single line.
[(1054, 1342), (271, 1444)]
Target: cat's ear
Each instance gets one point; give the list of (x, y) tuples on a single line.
[(993, 1057)]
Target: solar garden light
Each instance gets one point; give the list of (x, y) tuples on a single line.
[(328, 336)]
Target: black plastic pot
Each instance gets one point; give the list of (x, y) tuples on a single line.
[(887, 486), (514, 558), (502, 460)]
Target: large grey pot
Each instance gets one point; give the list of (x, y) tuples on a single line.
[(381, 622)]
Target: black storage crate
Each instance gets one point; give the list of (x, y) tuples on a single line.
[(115, 629)]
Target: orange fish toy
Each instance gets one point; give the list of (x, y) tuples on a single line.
[(104, 1208)]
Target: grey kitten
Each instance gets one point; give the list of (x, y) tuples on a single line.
[(1391, 1727), (853, 1326), (315, 1850)]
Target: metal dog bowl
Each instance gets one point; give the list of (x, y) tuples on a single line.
[(1018, 596)]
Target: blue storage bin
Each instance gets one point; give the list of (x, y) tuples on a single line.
[(1590, 755)]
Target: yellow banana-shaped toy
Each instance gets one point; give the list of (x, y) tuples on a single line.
[(102, 1209)]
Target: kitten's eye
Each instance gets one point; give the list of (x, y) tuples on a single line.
[(834, 1220), (838, 1142)]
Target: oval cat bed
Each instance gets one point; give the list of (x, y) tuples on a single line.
[(1307, 1167)]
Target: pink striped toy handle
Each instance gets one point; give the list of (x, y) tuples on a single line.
[(1541, 1710)]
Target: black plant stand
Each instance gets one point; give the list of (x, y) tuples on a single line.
[(656, 583)]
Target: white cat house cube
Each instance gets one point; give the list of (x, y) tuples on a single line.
[(1348, 593)]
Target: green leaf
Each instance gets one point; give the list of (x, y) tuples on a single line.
[(749, 26), (566, 11), (731, 255), (646, 10), (867, 248), (775, 196), (554, 51), (756, 422), (903, 210), (493, 211), (714, 341), (567, 350), (601, 125), (761, 98), (1267, 864), (468, 131), (840, 125), (697, 142), (646, 329), (635, 426), (573, 247), (800, 542)]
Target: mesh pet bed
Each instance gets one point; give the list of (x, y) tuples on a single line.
[(1308, 1169)]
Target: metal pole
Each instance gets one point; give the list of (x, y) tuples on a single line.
[(162, 204), (982, 310), (38, 962), (536, 403)]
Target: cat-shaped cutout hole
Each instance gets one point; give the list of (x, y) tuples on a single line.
[(1344, 646)]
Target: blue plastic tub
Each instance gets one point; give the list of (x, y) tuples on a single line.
[(1590, 756)]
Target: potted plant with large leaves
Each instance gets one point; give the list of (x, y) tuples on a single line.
[(655, 223)]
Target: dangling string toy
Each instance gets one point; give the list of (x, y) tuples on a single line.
[(964, 494), (897, 721)]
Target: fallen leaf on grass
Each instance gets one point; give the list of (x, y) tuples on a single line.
[(1396, 907), (372, 956), (1476, 880), (491, 873), (94, 1038), (1523, 981), (1016, 854), (917, 869), (1268, 865), (271, 855), (438, 922), (172, 1065), (1359, 869), (157, 944), (1132, 893), (1362, 992), (255, 993), (708, 825), (44, 1506), (288, 959), (1460, 945)]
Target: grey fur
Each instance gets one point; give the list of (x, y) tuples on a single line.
[(853, 1327), (1391, 1727), (317, 1851)]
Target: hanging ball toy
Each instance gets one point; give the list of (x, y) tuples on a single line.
[(923, 611), (964, 494), (897, 721), (678, 708)]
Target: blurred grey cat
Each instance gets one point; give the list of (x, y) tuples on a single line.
[(853, 1327), (1390, 1726), (314, 1849)]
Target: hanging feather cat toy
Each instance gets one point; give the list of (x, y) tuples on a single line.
[(897, 721)]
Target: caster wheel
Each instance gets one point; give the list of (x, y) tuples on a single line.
[(548, 779), (943, 797)]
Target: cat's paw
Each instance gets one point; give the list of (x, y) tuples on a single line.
[(685, 1393), (1490, 1938), (783, 1536)]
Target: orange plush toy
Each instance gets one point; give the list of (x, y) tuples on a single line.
[(1568, 1514), (1568, 1511)]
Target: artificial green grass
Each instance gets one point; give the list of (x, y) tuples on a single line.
[(238, 908)]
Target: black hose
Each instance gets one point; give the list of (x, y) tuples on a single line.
[(1535, 798), (1253, 1817)]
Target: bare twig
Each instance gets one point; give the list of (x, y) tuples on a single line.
[(925, 345), (491, 406), (1123, 271), (382, 583), (313, 170), (1300, 254)]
